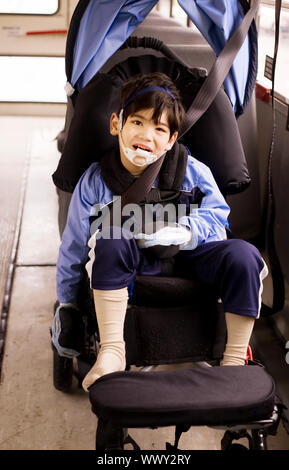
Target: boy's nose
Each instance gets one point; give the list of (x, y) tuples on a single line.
[(147, 134)]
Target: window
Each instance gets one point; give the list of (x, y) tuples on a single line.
[(266, 40), (179, 14), (29, 7), (32, 79), (171, 8)]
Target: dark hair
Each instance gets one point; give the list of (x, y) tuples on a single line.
[(159, 100)]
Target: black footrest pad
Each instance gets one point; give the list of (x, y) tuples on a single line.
[(202, 396)]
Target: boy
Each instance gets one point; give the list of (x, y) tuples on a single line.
[(147, 125)]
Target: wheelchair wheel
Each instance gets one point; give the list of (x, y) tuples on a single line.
[(62, 372)]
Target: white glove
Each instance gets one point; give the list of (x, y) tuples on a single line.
[(170, 235)]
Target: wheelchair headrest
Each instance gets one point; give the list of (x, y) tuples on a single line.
[(214, 139)]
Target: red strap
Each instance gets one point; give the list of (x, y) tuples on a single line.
[(249, 354)]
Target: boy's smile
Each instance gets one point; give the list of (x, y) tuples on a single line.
[(141, 131)]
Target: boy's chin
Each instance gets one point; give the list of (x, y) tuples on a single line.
[(139, 160)]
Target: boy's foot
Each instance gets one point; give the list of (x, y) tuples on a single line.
[(109, 360), (68, 331)]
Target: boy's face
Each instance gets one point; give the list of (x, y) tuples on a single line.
[(140, 130)]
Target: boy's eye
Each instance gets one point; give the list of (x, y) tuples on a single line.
[(138, 123), (161, 129)]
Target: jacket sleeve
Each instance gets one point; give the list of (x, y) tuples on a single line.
[(73, 251), (208, 221)]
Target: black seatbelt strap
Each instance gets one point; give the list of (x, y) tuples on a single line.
[(219, 71), (138, 190)]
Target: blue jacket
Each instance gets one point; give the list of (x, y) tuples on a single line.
[(207, 223)]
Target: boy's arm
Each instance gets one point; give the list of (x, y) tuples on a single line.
[(208, 222), (73, 251)]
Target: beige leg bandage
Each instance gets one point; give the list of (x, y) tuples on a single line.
[(239, 330), (110, 308)]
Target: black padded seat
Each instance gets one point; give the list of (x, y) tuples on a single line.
[(210, 396), (246, 210), (124, 54), (164, 309), (195, 55), (168, 291)]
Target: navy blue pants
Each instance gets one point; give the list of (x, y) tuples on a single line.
[(234, 266)]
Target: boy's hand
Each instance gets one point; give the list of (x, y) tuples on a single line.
[(68, 331), (68, 305), (171, 235)]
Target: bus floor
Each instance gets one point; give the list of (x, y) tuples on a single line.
[(35, 416)]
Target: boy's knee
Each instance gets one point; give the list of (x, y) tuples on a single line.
[(112, 261), (245, 256), (115, 242)]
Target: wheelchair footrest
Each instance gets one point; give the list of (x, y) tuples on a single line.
[(211, 396)]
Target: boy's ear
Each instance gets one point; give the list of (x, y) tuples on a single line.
[(114, 124), (172, 140)]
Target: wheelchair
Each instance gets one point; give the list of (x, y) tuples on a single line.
[(170, 319)]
